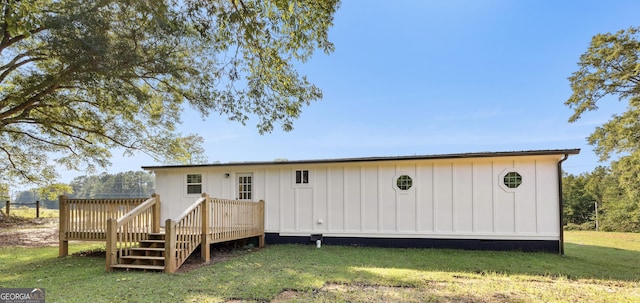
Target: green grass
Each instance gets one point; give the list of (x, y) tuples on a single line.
[(30, 212), (597, 267)]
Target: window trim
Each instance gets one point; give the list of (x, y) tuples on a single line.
[(506, 172), (295, 177), (186, 184), (399, 190), (250, 190)]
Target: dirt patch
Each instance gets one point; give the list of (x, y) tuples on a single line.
[(20, 232), (332, 292), (288, 296)]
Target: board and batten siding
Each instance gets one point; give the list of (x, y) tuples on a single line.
[(450, 198)]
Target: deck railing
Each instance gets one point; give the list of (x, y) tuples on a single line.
[(126, 231), (122, 223), (224, 220), (86, 219), (231, 219), (183, 235)]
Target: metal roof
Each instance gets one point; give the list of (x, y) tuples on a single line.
[(376, 159)]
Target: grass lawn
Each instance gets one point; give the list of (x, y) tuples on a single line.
[(597, 267), (30, 212)]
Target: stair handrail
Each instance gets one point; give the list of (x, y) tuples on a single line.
[(183, 235), (125, 232)]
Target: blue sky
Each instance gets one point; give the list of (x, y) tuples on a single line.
[(432, 77)]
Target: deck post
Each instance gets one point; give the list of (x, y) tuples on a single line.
[(63, 245), (261, 224), (170, 246), (112, 235), (205, 249), (156, 214)]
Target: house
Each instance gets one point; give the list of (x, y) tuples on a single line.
[(487, 200)]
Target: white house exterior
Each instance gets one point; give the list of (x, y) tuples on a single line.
[(501, 200)]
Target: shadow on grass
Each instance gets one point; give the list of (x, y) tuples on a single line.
[(336, 263), (263, 275), (600, 262)]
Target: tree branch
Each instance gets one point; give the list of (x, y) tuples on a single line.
[(30, 102), (8, 69), (42, 140), (13, 40), (5, 25), (15, 166)]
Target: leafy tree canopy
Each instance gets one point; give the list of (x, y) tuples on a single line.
[(610, 67), (131, 184), (79, 78), (51, 192), (187, 150), (4, 192)]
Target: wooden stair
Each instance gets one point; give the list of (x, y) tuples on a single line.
[(149, 255)]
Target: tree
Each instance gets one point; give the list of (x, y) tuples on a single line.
[(621, 205), (578, 204), (47, 195), (131, 184), (53, 191), (4, 192), (609, 69), (581, 193), (26, 196), (80, 78), (187, 150)]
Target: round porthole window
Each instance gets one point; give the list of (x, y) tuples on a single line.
[(512, 180), (404, 182)]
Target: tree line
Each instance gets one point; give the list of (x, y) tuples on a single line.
[(602, 199), (131, 184)]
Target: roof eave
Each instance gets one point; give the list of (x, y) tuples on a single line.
[(377, 159)]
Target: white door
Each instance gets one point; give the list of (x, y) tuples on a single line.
[(245, 187)]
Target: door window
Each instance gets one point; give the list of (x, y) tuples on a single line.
[(245, 186)]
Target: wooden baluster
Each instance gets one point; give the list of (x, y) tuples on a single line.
[(156, 214)]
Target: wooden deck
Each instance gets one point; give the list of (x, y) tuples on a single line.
[(135, 239)]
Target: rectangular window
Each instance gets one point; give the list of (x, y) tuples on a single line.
[(194, 184), (244, 186), (302, 177)]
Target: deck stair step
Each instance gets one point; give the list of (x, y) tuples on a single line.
[(145, 244), (148, 249), (139, 266), (155, 258), (149, 255), (157, 242), (156, 237), (152, 241)]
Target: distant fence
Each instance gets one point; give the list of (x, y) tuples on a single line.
[(8, 205)]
